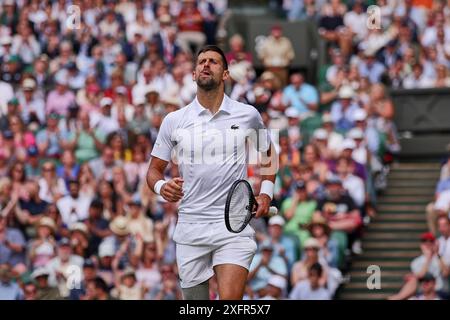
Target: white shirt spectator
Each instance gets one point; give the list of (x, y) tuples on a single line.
[(303, 291), (7, 94), (355, 187), (443, 201), (46, 194), (422, 82), (444, 249), (73, 210)]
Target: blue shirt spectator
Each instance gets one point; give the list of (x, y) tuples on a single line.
[(300, 95)]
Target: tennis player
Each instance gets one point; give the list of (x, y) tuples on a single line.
[(211, 138)]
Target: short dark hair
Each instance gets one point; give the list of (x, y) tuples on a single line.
[(215, 49), (316, 267), (101, 284)]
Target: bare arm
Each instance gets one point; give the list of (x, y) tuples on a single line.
[(172, 190)]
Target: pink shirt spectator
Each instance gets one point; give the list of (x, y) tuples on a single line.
[(59, 103)]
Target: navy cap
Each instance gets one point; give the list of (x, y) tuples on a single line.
[(300, 184), (64, 242), (7, 134), (88, 263), (32, 151)]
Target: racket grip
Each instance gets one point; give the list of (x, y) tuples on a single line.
[(273, 211)]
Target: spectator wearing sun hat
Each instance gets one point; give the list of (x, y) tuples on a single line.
[(319, 229), (276, 287), (343, 109), (43, 248), (284, 246), (45, 290), (334, 138), (264, 265)]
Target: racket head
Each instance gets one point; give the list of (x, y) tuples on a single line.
[(239, 206)]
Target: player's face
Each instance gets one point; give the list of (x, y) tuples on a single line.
[(209, 72)]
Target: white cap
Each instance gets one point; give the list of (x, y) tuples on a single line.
[(346, 92), (327, 118), (348, 144), (121, 90), (312, 243), (6, 40), (276, 220), (238, 71), (320, 134), (61, 78), (359, 115), (139, 100), (355, 133), (277, 281), (42, 271), (258, 91), (106, 101), (292, 112), (106, 249), (29, 83)]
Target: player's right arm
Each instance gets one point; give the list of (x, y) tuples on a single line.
[(171, 190)]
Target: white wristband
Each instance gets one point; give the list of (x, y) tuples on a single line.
[(158, 186), (267, 187)]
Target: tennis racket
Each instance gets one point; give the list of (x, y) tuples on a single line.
[(240, 206)]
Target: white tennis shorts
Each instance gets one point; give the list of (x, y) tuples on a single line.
[(200, 247)]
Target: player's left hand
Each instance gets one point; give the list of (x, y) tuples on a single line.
[(263, 201)]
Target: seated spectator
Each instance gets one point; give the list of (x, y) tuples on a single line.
[(12, 248), (417, 80), (351, 183), (86, 142), (428, 289), (284, 246), (43, 247), (9, 289), (147, 271), (319, 230), (73, 207), (69, 169), (298, 210), (276, 286), (61, 267), (79, 239), (127, 288), (60, 98), (138, 224), (301, 95), (343, 110), (341, 214), (237, 52), (169, 289), (33, 208), (300, 269), (429, 262), (276, 53), (51, 187), (44, 290), (190, 27), (264, 265), (311, 288)]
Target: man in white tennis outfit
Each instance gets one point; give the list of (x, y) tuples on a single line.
[(209, 139)]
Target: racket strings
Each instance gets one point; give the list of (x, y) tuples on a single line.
[(240, 207)]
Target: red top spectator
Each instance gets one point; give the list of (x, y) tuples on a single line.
[(190, 18)]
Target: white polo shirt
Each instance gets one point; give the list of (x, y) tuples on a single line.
[(212, 151)]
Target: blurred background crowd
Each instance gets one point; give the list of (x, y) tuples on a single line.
[(82, 101)]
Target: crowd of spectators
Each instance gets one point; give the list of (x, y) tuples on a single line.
[(430, 272), (80, 109)]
